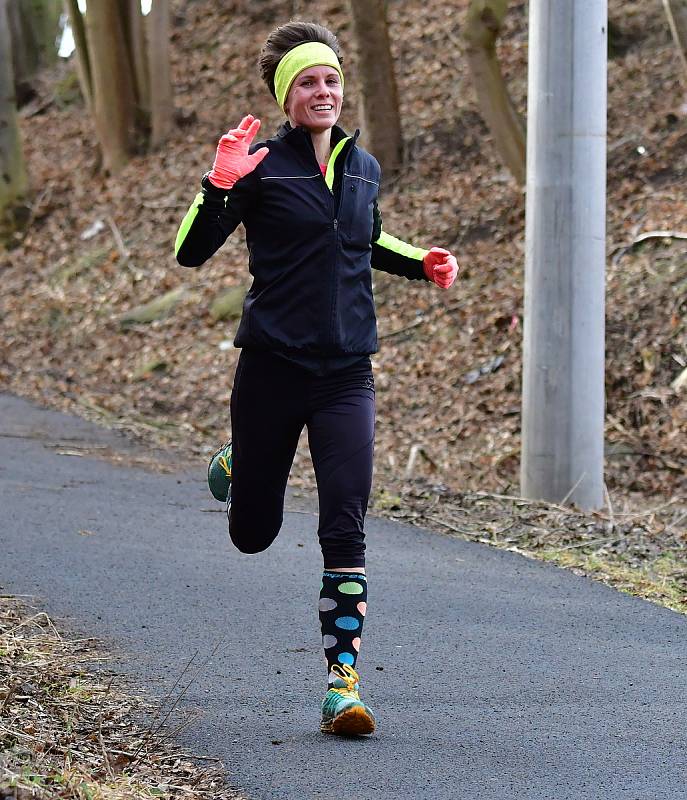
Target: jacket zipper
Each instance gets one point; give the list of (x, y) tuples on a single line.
[(333, 295), (336, 203), (335, 224)]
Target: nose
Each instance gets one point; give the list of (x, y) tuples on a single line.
[(322, 88)]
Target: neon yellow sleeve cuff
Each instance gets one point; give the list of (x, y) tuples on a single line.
[(187, 221), (402, 248)]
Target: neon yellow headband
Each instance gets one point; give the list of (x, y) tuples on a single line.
[(309, 54)]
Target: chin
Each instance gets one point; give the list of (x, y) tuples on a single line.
[(320, 126), (325, 123)]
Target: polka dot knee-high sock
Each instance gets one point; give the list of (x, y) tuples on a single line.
[(343, 603)]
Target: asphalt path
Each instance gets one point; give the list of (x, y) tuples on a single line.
[(492, 676)]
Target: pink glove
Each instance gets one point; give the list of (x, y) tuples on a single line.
[(440, 267), (232, 160)]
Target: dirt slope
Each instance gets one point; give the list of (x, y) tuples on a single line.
[(63, 295)]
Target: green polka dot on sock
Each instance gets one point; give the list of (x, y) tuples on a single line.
[(350, 587)]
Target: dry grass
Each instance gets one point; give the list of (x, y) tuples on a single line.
[(67, 731)]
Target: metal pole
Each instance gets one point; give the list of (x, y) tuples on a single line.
[(563, 359)]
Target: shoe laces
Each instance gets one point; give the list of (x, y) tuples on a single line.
[(226, 466), (350, 677)]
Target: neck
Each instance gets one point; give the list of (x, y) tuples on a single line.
[(321, 141)]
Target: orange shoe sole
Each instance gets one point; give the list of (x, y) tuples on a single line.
[(354, 721)]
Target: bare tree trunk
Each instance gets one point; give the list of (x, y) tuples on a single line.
[(113, 92), (378, 83), (83, 57), (24, 56), (482, 26), (121, 73), (13, 180), (43, 18), (136, 44), (34, 27), (161, 102), (676, 11)]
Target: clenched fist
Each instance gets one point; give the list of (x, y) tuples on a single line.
[(440, 267)]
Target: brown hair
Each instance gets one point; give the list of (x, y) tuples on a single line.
[(285, 38)]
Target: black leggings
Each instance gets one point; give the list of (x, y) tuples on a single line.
[(271, 401)]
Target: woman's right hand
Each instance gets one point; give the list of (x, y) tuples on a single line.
[(232, 160)]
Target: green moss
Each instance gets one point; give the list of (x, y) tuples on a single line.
[(86, 262), (386, 501), (661, 581), (68, 91)]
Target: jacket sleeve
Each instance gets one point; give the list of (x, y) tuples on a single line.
[(390, 254), (213, 216)]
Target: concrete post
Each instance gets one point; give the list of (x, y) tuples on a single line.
[(563, 372)]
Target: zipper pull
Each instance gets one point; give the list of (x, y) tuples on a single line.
[(336, 224)]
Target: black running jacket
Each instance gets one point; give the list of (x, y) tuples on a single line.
[(311, 239)]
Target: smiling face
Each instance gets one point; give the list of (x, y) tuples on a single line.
[(315, 98)]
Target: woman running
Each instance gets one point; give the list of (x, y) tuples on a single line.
[(308, 201)]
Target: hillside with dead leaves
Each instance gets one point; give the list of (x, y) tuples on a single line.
[(449, 365)]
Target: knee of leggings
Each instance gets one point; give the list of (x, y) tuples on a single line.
[(253, 538)]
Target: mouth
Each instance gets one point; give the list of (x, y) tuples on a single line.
[(323, 107)]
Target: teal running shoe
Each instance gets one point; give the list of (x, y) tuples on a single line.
[(219, 474), (343, 712)]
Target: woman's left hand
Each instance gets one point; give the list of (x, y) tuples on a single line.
[(440, 267)]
